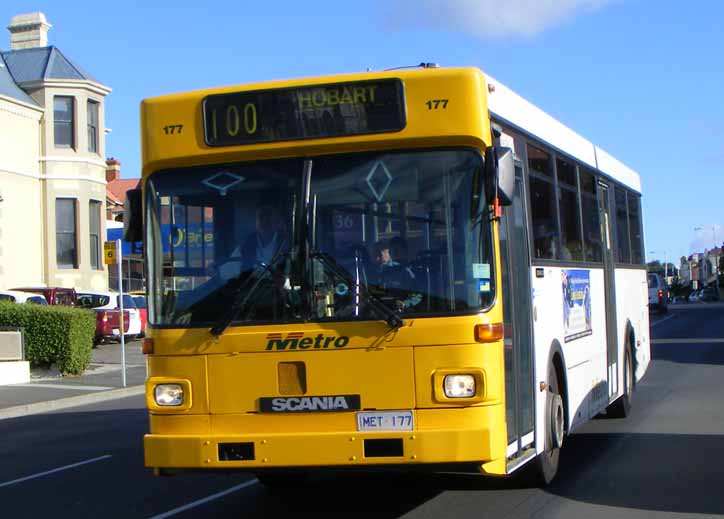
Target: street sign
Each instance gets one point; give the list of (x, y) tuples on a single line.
[(110, 256)]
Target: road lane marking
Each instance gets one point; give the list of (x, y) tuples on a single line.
[(205, 499), (691, 340), (68, 386), (662, 320), (53, 471)]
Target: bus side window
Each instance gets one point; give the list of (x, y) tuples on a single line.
[(634, 221), (571, 244), (591, 225), (623, 246), (543, 208)]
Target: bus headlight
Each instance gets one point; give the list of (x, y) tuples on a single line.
[(169, 395), (459, 386)]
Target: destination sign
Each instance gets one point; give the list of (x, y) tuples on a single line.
[(332, 110)]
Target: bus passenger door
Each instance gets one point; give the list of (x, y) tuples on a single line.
[(604, 209), (517, 318)]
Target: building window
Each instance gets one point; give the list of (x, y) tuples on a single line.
[(94, 210), (66, 248), (93, 126), (63, 121)]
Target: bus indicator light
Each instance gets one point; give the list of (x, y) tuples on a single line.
[(488, 332)]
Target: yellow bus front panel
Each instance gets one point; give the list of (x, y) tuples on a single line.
[(226, 388)]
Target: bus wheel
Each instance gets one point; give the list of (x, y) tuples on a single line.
[(282, 479), (621, 407), (555, 430)]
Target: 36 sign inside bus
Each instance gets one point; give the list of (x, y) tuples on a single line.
[(331, 110)]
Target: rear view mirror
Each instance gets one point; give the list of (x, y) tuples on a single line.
[(506, 176), (499, 174), (133, 216)]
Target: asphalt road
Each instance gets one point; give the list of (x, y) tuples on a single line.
[(663, 461)]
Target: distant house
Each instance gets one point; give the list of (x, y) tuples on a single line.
[(116, 189), (52, 171), (132, 268)]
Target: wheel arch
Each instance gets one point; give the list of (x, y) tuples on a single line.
[(557, 360), (630, 344)]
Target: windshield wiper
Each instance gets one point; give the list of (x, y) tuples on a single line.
[(390, 316), (241, 304)]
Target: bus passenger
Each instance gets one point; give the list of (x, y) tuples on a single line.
[(260, 246), (543, 239), (398, 249), (266, 241), (392, 275)]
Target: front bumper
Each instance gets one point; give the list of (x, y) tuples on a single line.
[(440, 436)]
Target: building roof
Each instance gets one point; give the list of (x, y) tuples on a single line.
[(42, 63), (9, 88), (116, 189)]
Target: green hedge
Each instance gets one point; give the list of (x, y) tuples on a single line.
[(57, 335)]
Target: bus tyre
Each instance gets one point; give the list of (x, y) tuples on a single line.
[(621, 407), (554, 432)]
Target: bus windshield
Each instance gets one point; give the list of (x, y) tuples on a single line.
[(322, 239)]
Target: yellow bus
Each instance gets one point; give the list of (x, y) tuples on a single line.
[(413, 267)]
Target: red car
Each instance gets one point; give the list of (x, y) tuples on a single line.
[(108, 322), (108, 325), (140, 299), (54, 295)]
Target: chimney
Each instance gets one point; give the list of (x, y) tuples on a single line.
[(28, 31), (113, 169)]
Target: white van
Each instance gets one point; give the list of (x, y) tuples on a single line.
[(15, 296)]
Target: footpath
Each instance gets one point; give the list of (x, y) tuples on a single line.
[(49, 391)]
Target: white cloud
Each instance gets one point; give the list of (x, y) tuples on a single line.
[(487, 18)]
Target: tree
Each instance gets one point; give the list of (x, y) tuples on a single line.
[(673, 270), (677, 288), (655, 267)]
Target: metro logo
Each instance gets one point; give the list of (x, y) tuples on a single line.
[(297, 341)]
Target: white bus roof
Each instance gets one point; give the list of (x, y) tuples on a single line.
[(508, 106)]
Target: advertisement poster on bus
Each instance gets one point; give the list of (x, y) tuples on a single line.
[(576, 286)]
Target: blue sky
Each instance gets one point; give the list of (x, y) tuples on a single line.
[(640, 78)]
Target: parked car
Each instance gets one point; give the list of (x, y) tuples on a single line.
[(107, 307), (658, 293), (54, 295), (140, 299), (709, 294), (694, 296), (677, 300), (15, 296)]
